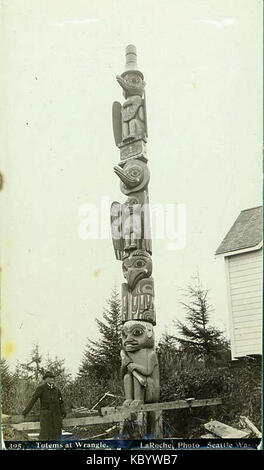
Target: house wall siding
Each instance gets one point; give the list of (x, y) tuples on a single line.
[(244, 273)]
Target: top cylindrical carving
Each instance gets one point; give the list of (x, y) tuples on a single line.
[(131, 57)]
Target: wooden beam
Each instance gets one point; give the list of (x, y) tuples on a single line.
[(70, 422), (224, 431), (167, 405), (250, 425), (112, 415), (31, 418)]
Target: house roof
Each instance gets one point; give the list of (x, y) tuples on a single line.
[(246, 232)]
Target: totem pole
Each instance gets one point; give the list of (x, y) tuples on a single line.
[(131, 234)]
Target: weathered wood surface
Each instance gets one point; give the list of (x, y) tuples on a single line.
[(33, 417), (109, 415), (250, 425), (155, 424), (134, 426), (244, 277), (224, 431), (166, 405)]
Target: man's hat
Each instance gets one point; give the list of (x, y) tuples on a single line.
[(48, 374)]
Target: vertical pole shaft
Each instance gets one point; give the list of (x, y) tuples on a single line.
[(131, 234)]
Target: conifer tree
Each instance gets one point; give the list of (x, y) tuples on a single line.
[(197, 335), (102, 357), (6, 385), (167, 351), (33, 368)]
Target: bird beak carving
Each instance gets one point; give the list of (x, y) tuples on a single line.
[(127, 180)]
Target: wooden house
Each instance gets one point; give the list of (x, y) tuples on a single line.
[(242, 252)]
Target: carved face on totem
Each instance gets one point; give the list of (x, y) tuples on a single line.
[(132, 83), (137, 266), (134, 176), (137, 335)]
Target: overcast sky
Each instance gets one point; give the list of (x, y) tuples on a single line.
[(202, 61)]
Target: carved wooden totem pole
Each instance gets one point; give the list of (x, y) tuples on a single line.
[(130, 225)]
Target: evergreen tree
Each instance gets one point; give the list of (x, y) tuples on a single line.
[(102, 357), (6, 377), (197, 336), (167, 352), (33, 368), (6, 386)]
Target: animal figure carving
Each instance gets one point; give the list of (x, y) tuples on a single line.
[(138, 292), (129, 120), (139, 367)]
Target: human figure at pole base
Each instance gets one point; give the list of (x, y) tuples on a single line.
[(52, 409)]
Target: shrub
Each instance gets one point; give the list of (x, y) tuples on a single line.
[(239, 387)]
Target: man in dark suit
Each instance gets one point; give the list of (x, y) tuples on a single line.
[(52, 410)]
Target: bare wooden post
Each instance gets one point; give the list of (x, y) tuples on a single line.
[(134, 426), (141, 420), (155, 424)]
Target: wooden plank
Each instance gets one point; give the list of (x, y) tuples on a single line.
[(31, 418), (119, 414), (248, 262), (255, 314), (254, 281), (249, 268), (252, 267), (243, 328), (245, 347), (256, 294), (236, 274), (254, 284), (240, 289), (249, 342), (252, 310), (175, 405), (246, 256), (246, 303), (246, 289), (248, 349), (250, 425), (224, 431), (243, 321), (238, 279), (246, 294), (248, 334), (83, 421)]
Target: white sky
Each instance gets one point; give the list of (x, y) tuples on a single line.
[(202, 61)]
